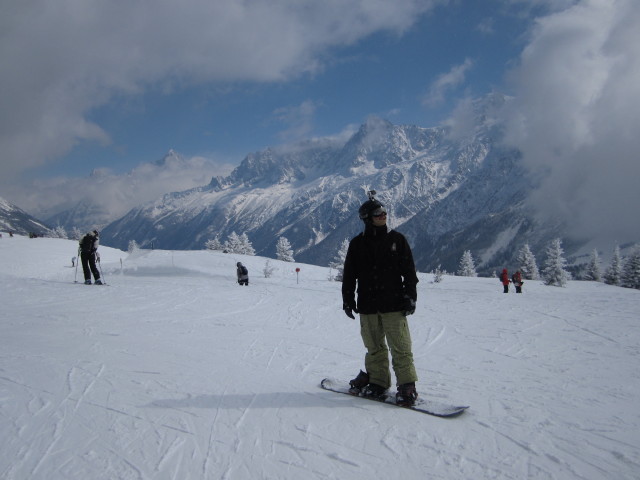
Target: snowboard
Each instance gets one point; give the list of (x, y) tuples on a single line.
[(430, 407)]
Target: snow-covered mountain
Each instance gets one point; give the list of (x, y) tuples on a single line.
[(85, 215), (104, 196), (447, 194), (13, 219)]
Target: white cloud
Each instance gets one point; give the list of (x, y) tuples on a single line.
[(576, 116), (116, 194), (446, 82), (297, 119), (62, 59), (486, 26)]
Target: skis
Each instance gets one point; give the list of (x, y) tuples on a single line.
[(430, 407)]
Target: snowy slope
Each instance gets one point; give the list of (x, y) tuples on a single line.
[(175, 372)]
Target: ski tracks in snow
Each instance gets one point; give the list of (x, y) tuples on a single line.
[(53, 414), (169, 375)]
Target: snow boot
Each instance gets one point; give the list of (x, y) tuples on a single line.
[(358, 383), (87, 282), (98, 282), (374, 391), (407, 394)]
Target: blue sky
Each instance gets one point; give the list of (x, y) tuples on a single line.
[(90, 85), (387, 72)]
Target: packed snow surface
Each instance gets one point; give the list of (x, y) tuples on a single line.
[(174, 371)]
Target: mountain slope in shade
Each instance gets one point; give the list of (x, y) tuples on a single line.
[(13, 219)]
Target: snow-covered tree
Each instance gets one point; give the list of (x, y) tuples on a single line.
[(239, 244), (614, 272), (214, 244), (133, 246), (268, 269), (631, 270), (233, 244), (284, 251), (438, 275), (466, 267), (554, 272), (246, 245), (338, 260), (527, 262), (76, 234), (58, 232), (593, 267)]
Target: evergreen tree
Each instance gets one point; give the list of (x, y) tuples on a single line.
[(631, 271), (233, 244), (593, 268), (527, 262), (133, 246), (338, 260), (268, 269), (438, 275), (246, 247), (554, 272), (467, 268), (614, 272), (76, 234), (58, 232), (214, 244), (284, 251)]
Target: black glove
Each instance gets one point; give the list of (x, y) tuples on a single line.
[(409, 307), (349, 309)]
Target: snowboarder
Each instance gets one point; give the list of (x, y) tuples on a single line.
[(243, 274), (516, 279), (504, 278), (88, 255), (380, 262)]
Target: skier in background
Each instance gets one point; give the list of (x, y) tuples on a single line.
[(504, 278), (516, 279), (88, 255), (243, 274), (380, 262)]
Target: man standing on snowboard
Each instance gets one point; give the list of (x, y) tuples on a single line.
[(380, 262)]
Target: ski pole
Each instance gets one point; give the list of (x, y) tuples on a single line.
[(75, 278), (100, 268)]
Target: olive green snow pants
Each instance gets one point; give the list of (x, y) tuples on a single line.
[(394, 327)]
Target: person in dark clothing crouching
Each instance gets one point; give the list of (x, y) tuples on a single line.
[(243, 274)]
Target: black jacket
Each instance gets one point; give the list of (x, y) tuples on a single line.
[(381, 263), (89, 243)]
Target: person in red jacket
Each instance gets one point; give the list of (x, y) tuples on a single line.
[(504, 278)]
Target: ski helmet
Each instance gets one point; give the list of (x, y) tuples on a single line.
[(95, 232), (370, 208)]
